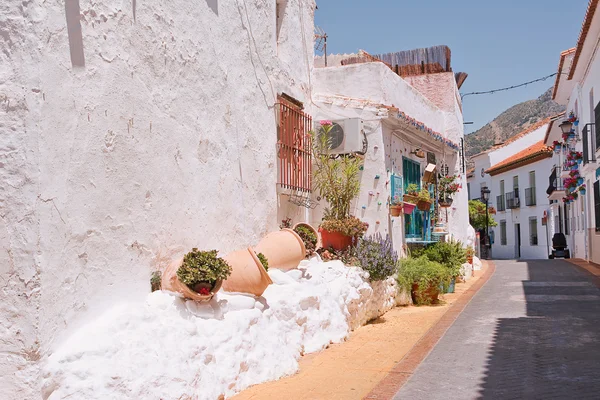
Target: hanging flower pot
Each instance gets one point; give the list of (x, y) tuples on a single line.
[(582, 191), (557, 149), (395, 210), (409, 198), (580, 181), (576, 122), (408, 207), (424, 205), (445, 201)]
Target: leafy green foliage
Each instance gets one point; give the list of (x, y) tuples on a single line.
[(377, 256), (350, 226), (308, 237), (427, 274), (424, 195), (477, 215), (335, 178), (451, 255), (155, 281), (202, 266), (263, 260)]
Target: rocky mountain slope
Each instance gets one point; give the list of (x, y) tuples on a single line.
[(512, 121)]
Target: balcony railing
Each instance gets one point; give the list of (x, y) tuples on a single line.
[(555, 181), (512, 199), (500, 205), (530, 196)]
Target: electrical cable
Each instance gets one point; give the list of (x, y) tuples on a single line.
[(462, 96)]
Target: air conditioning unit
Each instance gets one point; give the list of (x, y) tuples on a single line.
[(346, 136)]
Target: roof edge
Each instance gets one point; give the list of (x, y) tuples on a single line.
[(585, 28)]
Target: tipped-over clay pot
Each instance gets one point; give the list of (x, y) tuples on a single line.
[(247, 273), (284, 249), (171, 282)]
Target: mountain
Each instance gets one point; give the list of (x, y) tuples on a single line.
[(512, 121)]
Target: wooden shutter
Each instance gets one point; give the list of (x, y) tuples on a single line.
[(597, 204), (597, 125)]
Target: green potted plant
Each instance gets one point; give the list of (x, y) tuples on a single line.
[(396, 206), (452, 255), (470, 253), (337, 179), (198, 276), (309, 236), (424, 200), (423, 278), (411, 194)]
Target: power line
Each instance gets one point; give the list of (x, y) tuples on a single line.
[(510, 87)]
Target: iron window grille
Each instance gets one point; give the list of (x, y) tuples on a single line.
[(533, 232), (500, 204), (503, 233), (512, 199)]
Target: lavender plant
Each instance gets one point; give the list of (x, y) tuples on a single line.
[(377, 256)]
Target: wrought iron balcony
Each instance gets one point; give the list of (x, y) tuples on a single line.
[(530, 197), (556, 189), (512, 199), (500, 205)]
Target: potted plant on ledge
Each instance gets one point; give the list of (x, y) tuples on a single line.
[(424, 200), (337, 180)]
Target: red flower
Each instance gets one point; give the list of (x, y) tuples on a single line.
[(204, 291)]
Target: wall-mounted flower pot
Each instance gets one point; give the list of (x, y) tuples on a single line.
[(171, 282), (334, 239), (284, 249), (312, 229), (409, 198), (247, 273), (395, 210), (408, 208), (423, 205), (582, 191)]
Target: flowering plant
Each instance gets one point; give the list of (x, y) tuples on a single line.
[(396, 201), (376, 255), (325, 122), (572, 117), (447, 185)]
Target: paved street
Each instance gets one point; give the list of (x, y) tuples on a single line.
[(533, 332)]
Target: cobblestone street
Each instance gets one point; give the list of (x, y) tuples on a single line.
[(532, 332)]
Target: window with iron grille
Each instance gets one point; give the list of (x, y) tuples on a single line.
[(503, 232), (530, 196), (566, 217), (533, 231), (597, 125), (597, 204), (293, 146)]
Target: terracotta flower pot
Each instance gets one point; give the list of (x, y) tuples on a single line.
[(408, 208), (395, 210), (409, 198), (312, 229), (284, 249), (171, 282), (423, 205), (247, 273), (334, 239), (430, 294)]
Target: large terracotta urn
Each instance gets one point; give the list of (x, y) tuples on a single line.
[(284, 249), (247, 273), (304, 224), (171, 282)]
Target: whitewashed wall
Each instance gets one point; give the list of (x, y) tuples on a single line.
[(162, 140)]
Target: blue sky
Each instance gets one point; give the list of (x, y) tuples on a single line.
[(497, 42)]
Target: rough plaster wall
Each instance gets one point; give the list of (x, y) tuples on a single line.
[(19, 224), (439, 88), (163, 141)]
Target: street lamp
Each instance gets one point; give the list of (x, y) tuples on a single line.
[(566, 126), (485, 195)]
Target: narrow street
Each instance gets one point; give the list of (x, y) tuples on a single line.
[(532, 332)]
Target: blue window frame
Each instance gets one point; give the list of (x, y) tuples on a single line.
[(413, 223)]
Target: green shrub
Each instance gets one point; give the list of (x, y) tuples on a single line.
[(412, 189), (308, 237), (202, 267), (155, 281), (377, 256), (423, 272), (350, 226), (451, 255), (263, 260), (424, 195)]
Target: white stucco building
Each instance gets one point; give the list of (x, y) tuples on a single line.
[(515, 174), (577, 87), (402, 112)]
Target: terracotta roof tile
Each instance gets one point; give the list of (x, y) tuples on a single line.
[(531, 154), (585, 28)]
